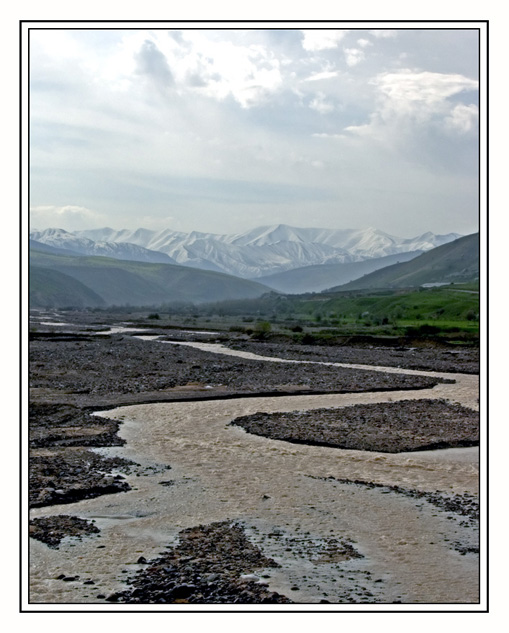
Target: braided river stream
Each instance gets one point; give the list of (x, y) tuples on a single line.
[(294, 501)]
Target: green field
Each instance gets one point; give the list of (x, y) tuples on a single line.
[(445, 313)]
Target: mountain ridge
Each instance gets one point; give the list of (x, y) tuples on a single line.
[(255, 253), (454, 262), (73, 244)]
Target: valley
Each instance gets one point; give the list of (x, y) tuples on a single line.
[(199, 437), (254, 317)]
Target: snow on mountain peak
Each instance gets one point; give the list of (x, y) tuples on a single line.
[(254, 253)]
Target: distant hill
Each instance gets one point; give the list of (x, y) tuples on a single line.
[(457, 261), (88, 281), (323, 276), (53, 289)]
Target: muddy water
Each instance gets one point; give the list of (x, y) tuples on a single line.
[(289, 497)]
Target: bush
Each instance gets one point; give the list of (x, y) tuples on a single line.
[(262, 330), (423, 330)]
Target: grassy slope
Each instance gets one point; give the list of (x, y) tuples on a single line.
[(51, 288), (138, 283), (453, 262)]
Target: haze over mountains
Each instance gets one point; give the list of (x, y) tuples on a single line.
[(81, 281), (71, 269), (253, 254), (324, 276)]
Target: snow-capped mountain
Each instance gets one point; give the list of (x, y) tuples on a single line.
[(60, 239), (257, 252)]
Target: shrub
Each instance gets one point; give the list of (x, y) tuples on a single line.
[(262, 330)]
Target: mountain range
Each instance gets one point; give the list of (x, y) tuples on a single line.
[(254, 254), (70, 269), (60, 242)]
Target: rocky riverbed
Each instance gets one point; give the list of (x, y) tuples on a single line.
[(415, 355), (208, 566), (393, 427), (78, 370), (72, 374)]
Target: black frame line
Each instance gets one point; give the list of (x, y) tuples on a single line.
[(24, 181)]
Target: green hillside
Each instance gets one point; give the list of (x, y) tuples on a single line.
[(454, 262), (118, 282), (53, 289)]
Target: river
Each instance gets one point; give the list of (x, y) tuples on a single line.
[(292, 499)]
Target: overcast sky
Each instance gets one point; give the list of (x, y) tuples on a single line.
[(224, 130)]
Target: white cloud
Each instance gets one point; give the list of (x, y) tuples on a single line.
[(249, 73), (353, 56), (463, 118), (321, 39), (68, 217), (383, 33), (156, 122), (320, 104), (326, 74), (407, 99), (193, 62), (407, 90), (325, 135)]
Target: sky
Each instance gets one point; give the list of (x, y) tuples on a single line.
[(225, 130)]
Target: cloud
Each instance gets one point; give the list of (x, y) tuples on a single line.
[(326, 74), (153, 64), (353, 56), (322, 39), (68, 217), (383, 33), (320, 104), (408, 90), (325, 135), (219, 69), (407, 99), (141, 123), (463, 118)]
